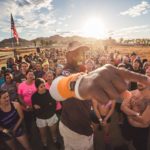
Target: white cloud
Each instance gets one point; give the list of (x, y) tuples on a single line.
[(66, 25), (64, 33), (70, 16), (133, 31), (28, 16), (65, 18), (72, 4), (60, 23), (62, 18), (137, 10)]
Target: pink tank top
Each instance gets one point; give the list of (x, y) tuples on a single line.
[(108, 105)]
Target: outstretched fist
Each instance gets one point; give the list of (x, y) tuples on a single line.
[(108, 82)]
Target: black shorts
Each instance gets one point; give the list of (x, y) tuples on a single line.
[(19, 132)]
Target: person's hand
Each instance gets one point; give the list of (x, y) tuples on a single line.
[(5, 131), (108, 82), (133, 116), (36, 106), (136, 117), (100, 120), (28, 108)]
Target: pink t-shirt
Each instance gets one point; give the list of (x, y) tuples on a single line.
[(26, 91), (47, 86)]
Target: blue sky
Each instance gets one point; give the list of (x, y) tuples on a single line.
[(43, 18)]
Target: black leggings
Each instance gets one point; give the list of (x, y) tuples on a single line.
[(139, 136)]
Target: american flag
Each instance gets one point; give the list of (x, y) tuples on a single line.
[(13, 28)]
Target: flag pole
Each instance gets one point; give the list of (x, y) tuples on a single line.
[(14, 31), (12, 42)]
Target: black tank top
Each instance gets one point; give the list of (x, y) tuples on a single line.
[(9, 119)]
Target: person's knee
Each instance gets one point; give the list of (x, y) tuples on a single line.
[(27, 147), (11, 145)]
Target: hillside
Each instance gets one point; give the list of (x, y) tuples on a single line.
[(58, 41), (11, 41), (45, 41)]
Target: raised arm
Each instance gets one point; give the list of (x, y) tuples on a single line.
[(103, 84)]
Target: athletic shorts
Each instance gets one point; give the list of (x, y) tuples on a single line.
[(19, 132), (41, 123)]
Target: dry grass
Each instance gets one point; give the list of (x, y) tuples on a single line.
[(142, 51)]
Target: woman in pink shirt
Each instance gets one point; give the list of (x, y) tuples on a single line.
[(49, 76), (25, 91)]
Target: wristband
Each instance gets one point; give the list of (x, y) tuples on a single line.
[(100, 119), (66, 87), (137, 114), (77, 94)]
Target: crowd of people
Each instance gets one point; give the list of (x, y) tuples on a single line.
[(25, 83)]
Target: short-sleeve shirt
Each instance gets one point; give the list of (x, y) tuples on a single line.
[(26, 91)]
